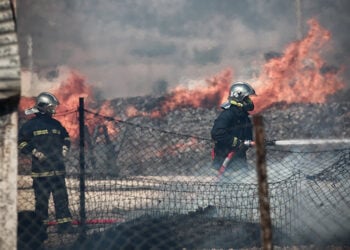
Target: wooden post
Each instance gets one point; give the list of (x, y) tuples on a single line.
[(82, 211), (264, 201), (9, 98)]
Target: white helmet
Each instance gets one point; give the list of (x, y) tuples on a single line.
[(46, 103), (240, 90)]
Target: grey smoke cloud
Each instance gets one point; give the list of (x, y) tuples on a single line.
[(125, 47)]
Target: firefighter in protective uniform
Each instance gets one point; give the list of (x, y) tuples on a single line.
[(48, 142), (233, 126)]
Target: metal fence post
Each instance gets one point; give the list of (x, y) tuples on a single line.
[(264, 202), (82, 211)]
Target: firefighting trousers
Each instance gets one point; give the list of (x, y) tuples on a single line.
[(55, 185), (220, 153)]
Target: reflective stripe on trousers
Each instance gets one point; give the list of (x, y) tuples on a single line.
[(48, 173)]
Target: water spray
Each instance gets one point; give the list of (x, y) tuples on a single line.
[(306, 142), (300, 142)]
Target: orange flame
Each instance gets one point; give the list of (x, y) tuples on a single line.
[(68, 94), (205, 97), (211, 95), (297, 76), (300, 75)]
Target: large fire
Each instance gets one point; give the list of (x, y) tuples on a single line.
[(298, 75), (68, 93)]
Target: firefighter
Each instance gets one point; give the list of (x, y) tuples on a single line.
[(233, 126), (48, 143)]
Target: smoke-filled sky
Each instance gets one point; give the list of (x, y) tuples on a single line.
[(136, 47)]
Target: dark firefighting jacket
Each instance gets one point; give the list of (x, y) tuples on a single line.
[(232, 122), (48, 136)]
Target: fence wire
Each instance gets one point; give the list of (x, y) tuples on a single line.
[(150, 188)]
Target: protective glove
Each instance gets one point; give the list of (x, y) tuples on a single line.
[(65, 150), (238, 144), (37, 154)]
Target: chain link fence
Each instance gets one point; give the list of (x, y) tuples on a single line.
[(141, 187)]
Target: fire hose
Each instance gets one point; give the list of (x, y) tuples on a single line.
[(295, 142), (230, 155)]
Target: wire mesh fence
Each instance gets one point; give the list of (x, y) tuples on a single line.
[(145, 187)]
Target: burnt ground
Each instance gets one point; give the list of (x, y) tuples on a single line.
[(195, 230)]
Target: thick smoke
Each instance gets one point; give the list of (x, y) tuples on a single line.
[(127, 47)]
